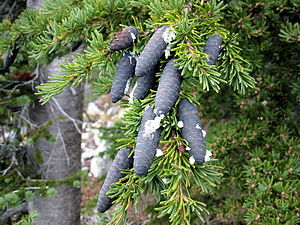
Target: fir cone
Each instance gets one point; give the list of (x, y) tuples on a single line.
[(124, 39), (144, 84), (122, 77), (152, 52), (212, 49), (146, 144), (114, 174), (168, 88), (191, 130)]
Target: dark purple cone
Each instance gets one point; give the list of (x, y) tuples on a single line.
[(144, 84), (114, 174), (145, 148), (168, 88), (152, 52), (191, 130), (212, 49), (124, 39), (124, 72)]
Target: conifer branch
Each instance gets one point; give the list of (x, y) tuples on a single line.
[(173, 195), (290, 32)]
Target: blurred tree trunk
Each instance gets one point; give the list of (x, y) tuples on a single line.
[(61, 158), (34, 3)]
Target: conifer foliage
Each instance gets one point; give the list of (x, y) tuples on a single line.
[(155, 31), (177, 51)]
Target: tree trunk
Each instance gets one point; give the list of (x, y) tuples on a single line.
[(62, 158), (34, 3)]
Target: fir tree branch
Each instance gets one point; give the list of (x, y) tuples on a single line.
[(290, 32), (13, 211), (173, 196)]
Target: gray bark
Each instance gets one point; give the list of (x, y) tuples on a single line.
[(34, 3), (62, 158)]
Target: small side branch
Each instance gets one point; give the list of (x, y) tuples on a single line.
[(10, 212), (68, 116)]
